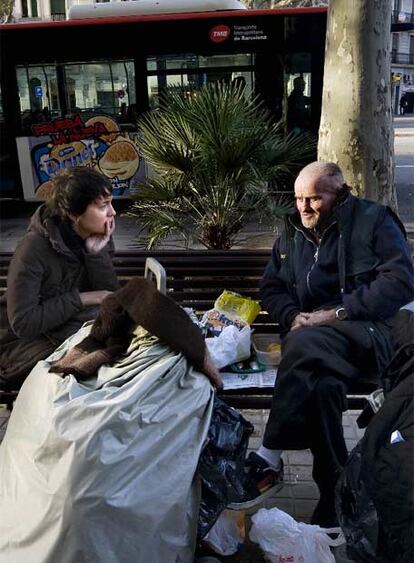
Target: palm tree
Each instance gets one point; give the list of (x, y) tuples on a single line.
[(213, 153)]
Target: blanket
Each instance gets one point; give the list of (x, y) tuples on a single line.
[(104, 470), (137, 303)]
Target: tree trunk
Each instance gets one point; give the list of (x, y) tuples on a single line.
[(356, 129)]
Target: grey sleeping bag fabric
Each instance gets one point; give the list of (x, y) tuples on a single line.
[(105, 470)]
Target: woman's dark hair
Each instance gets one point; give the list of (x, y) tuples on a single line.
[(74, 189)]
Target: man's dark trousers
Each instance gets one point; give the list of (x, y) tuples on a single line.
[(310, 396)]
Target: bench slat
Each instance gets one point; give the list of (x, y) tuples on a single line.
[(195, 278)]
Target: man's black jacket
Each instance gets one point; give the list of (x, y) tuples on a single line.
[(362, 263)]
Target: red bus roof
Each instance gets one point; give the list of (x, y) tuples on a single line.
[(162, 17)]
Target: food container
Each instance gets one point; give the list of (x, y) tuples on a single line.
[(267, 348)]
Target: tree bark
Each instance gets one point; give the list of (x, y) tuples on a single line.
[(356, 129)]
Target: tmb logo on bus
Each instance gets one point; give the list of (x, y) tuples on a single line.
[(219, 33)]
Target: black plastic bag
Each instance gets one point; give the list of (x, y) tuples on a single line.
[(221, 465), (356, 511)]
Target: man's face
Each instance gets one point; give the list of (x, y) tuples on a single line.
[(315, 196)]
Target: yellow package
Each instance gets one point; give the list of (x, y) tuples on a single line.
[(234, 305)]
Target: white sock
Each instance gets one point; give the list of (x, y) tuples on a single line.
[(271, 456)]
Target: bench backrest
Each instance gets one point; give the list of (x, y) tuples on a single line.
[(195, 278)]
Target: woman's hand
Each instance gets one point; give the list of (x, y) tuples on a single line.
[(210, 370), (95, 243), (90, 298)]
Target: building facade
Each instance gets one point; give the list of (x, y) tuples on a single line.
[(402, 57), (52, 10)]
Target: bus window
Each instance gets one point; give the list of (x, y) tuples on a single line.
[(90, 98), (38, 95), (99, 88), (299, 93), (197, 70)]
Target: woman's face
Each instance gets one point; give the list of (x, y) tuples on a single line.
[(96, 217)]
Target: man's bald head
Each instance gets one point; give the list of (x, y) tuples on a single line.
[(328, 172), (316, 189)]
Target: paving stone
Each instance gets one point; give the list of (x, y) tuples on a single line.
[(287, 505), (285, 492), (257, 432), (304, 508), (254, 443), (253, 413), (300, 457), (360, 433), (301, 472), (307, 490), (255, 420), (350, 432), (350, 444)]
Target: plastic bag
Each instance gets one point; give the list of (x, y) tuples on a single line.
[(237, 306), (230, 309), (232, 345), (284, 539), (228, 533), (221, 465), (214, 321), (357, 514)]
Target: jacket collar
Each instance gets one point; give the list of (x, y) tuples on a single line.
[(342, 214), (48, 227)]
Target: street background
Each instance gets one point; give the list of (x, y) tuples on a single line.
[(14, 215), (299, 495)]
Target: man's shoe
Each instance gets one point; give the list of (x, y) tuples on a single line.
[(261, 481)]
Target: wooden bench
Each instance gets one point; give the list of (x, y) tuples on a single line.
[(195, 278)]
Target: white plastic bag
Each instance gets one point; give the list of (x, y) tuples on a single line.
[(284, 539), (228, 533), (232, 345)]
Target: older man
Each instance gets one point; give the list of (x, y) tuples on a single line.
[(337, 276)]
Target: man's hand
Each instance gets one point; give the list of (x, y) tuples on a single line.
[(90, 298), (210, 370), (299, 320), (95, 243), (317, 318)]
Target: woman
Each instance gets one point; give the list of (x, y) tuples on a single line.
[(60, 273)]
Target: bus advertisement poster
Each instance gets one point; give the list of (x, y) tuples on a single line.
[(63, 143)]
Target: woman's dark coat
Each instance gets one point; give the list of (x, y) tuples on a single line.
[(42, 299)]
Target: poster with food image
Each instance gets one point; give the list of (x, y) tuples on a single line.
[(97, 142)]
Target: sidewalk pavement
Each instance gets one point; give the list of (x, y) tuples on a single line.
[(299, 495), (126, 234)]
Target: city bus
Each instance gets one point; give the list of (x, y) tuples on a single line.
[(71, 91)]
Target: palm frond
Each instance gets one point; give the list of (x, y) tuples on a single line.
[(213, 152)]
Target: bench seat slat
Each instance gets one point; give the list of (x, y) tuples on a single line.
[(195, 278)]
